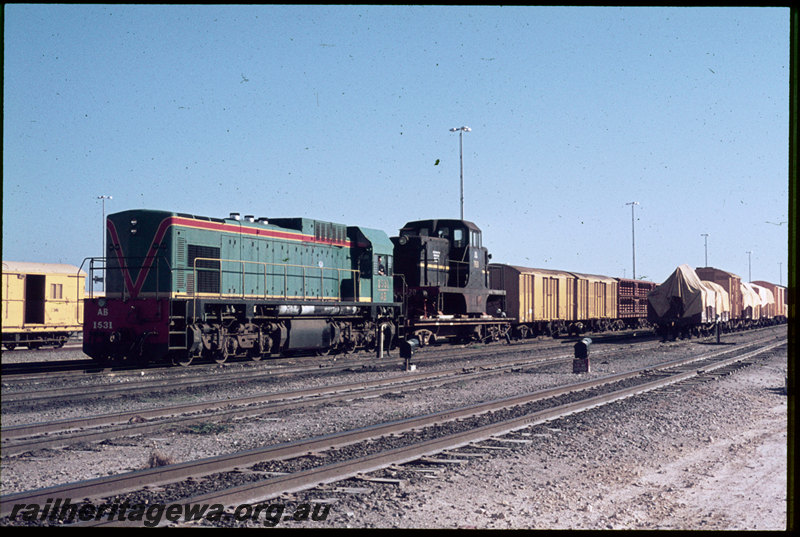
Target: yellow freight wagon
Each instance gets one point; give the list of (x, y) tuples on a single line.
[(42, 303), (541, 300), (553, 302), (596, 300)]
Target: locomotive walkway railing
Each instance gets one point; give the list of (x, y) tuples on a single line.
[(276, 283), (266, 280)]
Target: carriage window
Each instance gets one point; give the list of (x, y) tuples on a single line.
[(56, 290)]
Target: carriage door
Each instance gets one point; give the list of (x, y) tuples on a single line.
[(34, 299)]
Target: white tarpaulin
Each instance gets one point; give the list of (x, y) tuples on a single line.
[(721, 303), (751, 302), (683, 295), (767, 300)]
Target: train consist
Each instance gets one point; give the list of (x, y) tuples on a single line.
[(181, 287), (695, 302), (42, 304)]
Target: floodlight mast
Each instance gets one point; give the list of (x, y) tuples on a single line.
[(461, 131), (633, 236)]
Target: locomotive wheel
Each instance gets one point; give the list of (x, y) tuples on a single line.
[(10, 346), (184, 360), (228, 349)]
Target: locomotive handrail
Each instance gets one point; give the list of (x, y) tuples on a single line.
[(105, 269), (286, 266)]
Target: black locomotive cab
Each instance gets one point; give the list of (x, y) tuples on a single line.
[(445, 259)]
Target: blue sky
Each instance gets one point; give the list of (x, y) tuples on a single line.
[(343, 113)]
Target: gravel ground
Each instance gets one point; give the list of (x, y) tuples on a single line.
[(713, 457)]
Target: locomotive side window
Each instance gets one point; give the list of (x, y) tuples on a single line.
[(476, 239), (381, 265), (458, 238)]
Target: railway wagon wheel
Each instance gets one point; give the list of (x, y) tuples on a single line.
[(425, 337), (492, 333), (523, 332), (10, 346)]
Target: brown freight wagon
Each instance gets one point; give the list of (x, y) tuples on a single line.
[(730, 282), (779, 293), (632, 302)]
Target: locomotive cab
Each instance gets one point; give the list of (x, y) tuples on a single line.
[(444, 265)]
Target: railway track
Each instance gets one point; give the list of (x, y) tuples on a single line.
[(132, 383), (43, 369), (23, 438), (259, 475)]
